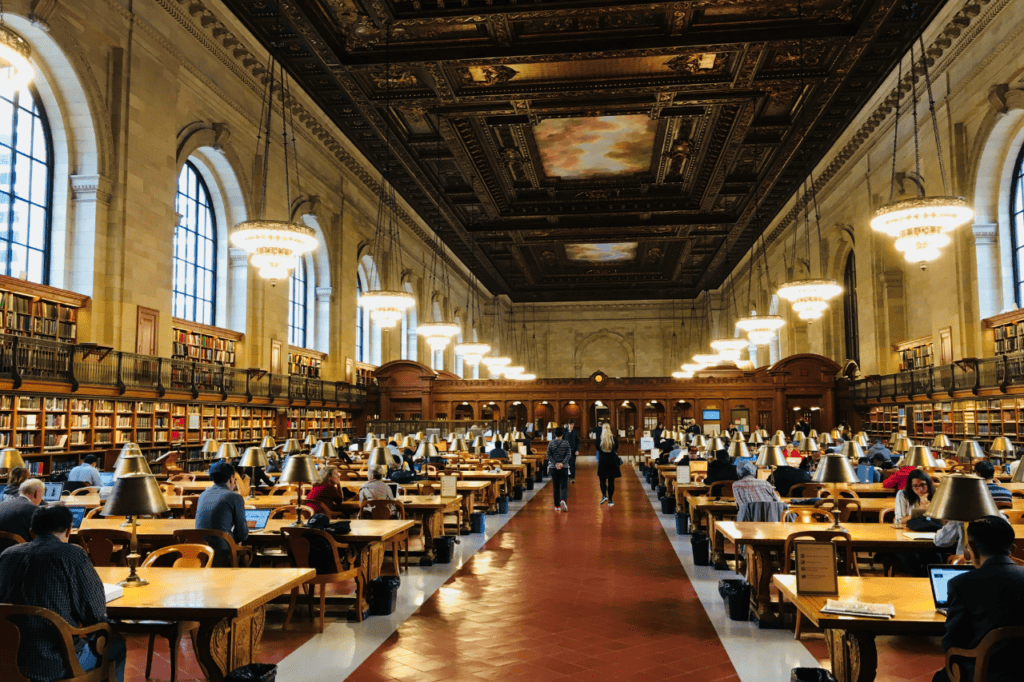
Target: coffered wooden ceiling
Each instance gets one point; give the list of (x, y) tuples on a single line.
[(590, 149)]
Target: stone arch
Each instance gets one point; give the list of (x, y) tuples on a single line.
[(604, 335)]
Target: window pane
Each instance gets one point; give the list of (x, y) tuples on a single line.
[(195, 250)]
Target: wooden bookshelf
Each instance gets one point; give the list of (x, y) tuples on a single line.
[(321, 423), (304, 362), (39, 311), (364, 374), (202, 343), (916, 354)]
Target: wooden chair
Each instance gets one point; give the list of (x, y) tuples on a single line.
[(430, 470), (382, 510), (805, 489), (189, 504), (699, 478), (826, 493), (299, 548), (105, 546), (842, 507), (982, 654), (887, 515), (171, 489), (178, 478), (847, 564), (721, 489), (426, 489), (320, 507), (282, 490), (453, 472), (288, 512), (1017, 494), (240, 555), (806, 515), (94, 512), (1015, 515), (12, 618), (187, 556), (1004, 504), (8, 539), (84, 492)]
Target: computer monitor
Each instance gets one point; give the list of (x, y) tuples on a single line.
[(77, 514), (257, 519), (106, 478), (53, 492)]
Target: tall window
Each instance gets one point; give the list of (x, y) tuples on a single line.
[(195, 249), (26, 186), (1017, 228), (360, 348), (850, 310), (297, 293)]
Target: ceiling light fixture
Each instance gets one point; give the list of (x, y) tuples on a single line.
[(15, 69), (760, 329)]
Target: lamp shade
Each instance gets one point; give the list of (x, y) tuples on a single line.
[(132, 464), (699, 441), (371, 443), (478, 444), (968, 451), (291, 446), (129, 449), (1018, 474), (809, 445), (10, 458), (227, 451), (825, 439), (268, 443), (738, 449), (919, 456), (941, 441), (852, 450), (835, 469), (736, 437), (309, 441), (813, 434), (496, 439), (419, 436), (326, 450), (299, 469), (777, 441), (426, 450), (755, 438), (962, 497), (903, 445), (134, 495), (458, 445), (1002, 446), (341, 441), (798, 436), (772, 456), (254, 457), (380, 457), (210, 447), (862, 439), (409, 442), (552, 425), (893, 437), (836, 434), (716, 444)]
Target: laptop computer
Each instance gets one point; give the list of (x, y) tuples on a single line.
[(257, 518), (396, 490), (53, 492), (77, 514), (939, 576), (106, 479)]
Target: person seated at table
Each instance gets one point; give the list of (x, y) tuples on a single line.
[(221, 508), (786, 477), (898, 479), (665, 448), (916, 495), (328, 489), (375, 487), (880, 462), (750, 489), (879, 449), (867, 473), (677, 450), (16, 514), (721, 469), (86, 473), (395, 452), (258, 479), (989, 597), (791, 450), (985, 470), (498, 452), (50, 573), (273, 463), (17, 476)]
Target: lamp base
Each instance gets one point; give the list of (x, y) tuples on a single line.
[(838, 527), (133, 580)]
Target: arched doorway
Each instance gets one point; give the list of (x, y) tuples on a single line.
[(543, 414), (571, 412), (682, 413), (464, 411), (600, 412), (517, 415), (654, 414), (627, 417), (490, 411)]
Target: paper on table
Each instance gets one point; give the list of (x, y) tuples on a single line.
[(919, 536), (852, 607), (112, 592), (517, 458), (449, 486), (816, 569), (682, 475)]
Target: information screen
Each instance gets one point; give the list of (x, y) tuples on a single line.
[(712, 415)]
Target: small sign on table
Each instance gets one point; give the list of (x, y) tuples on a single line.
[(816, 569)]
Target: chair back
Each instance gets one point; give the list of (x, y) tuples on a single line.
[(805, 489), (289, 511), (838, 493), (85, 492), (841, 507), (698, 478), (994, 645), (380, 510), (191, 478), (721, 489), (761, 511), (1014, 515), (426, 489), (181, 556), (1017, 494), (203, 536), (282, 490), (300, 548), (431, 470), (105, 546), (847, 563), (171, 489), (190, 504), (8, 539), (887, 515), (94, 512), (805, 515), (454, 472), (12, 619)]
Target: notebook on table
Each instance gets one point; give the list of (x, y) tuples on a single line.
[(257, 519), (53, 492), (939, 576), (77, 514)]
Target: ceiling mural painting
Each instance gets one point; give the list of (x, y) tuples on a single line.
[(670, 131)]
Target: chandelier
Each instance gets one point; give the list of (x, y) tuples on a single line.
[(513, 371), (706, 360), (691, 367), (810, 297), (920, 225), (274, 246), (682, 375), (729, 349), (760, 329), (387, 302), (525, 377), (15, 70), (438, 334), (472, 353)]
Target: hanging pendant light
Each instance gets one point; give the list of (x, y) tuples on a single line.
[(920, 225), (810, 297), (15, 69), (729, 349), (440, 332), (761, 329), (274, 246)]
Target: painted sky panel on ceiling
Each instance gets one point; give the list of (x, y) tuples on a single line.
[(601, 253), (581, 148)]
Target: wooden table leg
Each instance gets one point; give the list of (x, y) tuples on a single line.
[(433, 526), (464, 516), (853, 655), (229, 643), (717, 545), (759, 575)]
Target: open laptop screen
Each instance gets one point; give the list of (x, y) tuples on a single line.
[(53, 492), (77, 514), (106, 479), (257, 518), (940, 576)]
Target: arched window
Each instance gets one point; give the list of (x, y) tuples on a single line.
[(195, 249), (26, 185), (850, 309), (1017, 228), (360, 348), (297, 295)]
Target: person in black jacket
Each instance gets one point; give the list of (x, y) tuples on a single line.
[(784, 478), (803, 427), (989, 597), (656, 433), (721, 469), (608, 464), (572, 437)]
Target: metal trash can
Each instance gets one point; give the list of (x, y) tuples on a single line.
[(668, 505), (517, 492), (254, 672), (444, 546), (529, 483), (662, 491), (503, 505), (383, 595), (701, 549), (682, 523), (811, 675), (477, 522), (736, 594)]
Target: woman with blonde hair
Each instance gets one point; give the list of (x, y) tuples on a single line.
[(608, 464)]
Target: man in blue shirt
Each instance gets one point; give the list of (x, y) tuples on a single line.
[(86, 472), (999, 494), (879, 449), (221, 508)]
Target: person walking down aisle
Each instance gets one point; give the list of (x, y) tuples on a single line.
[(608, 464), (572, 437), (559, 460)]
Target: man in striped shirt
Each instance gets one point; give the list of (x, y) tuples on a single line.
[(1000, 494), (559, 463)]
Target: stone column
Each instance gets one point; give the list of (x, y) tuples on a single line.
[(86, 268), (322, 325), (987, 270)]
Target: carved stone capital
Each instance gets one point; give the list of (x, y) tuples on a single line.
[(892, 278), (323, 294), (1003, 100), (90, 188), (238, 258), (985, 233)]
